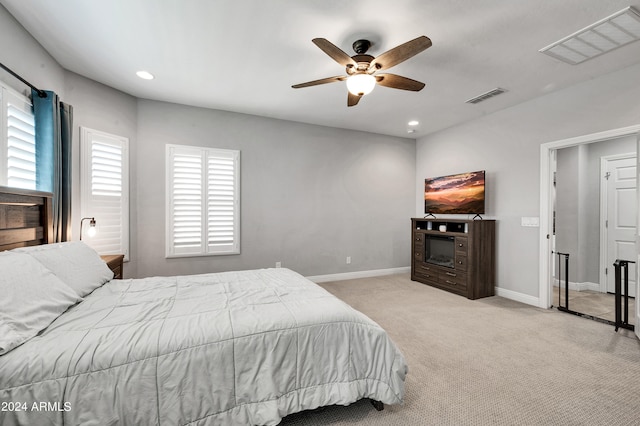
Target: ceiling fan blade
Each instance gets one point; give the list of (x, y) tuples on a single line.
[(352, 100), (321, 81), (399, 82), (334, 51), (400, 53)]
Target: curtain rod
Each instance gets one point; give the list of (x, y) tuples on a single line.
[(41, 93)]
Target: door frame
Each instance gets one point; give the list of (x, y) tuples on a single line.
[(546, 211), (604, 232)]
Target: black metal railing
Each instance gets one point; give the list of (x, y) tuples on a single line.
[(565, 308), (566, 281), (622, 300)]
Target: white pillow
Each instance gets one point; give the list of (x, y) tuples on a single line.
[(31, 298), (75, 263)]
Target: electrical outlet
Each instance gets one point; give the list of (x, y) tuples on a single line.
[(348, 260), (278, 264)]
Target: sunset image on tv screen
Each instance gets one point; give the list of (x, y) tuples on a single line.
[(455, 194)]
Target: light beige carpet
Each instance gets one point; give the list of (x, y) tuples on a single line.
[(491, 362)]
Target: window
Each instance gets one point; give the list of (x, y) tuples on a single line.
[(104, 187), (17, 143), (203, 201)]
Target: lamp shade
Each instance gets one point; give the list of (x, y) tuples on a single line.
[(361, 84)]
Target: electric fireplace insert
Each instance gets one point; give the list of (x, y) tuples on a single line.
[(440, 250)]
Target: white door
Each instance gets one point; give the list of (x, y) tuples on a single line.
[(621, 218), (637, 322)]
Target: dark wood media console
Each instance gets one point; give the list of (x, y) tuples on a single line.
[(454, 255)]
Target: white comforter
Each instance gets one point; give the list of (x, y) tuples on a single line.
[(244, 347)]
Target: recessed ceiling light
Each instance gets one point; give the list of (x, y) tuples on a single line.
[(413, 123), (145, 75), (612, 32)]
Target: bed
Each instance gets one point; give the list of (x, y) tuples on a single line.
[(241, 347)]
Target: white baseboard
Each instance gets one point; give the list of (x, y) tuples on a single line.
[(359, 274), (580, 286), (518, 297)]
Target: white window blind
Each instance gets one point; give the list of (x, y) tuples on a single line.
[(105, 190), (18, 144), (202, 201)]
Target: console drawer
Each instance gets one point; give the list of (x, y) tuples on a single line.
[(427, 278), (426, 272), (453, 287), (461, 245), (461, 262), (453, 279)]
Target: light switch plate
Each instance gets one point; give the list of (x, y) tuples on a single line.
[(532, 222)]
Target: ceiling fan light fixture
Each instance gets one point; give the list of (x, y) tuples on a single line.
[(361, 67), (361, 84)]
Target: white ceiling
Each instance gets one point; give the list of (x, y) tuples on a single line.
[(244, 55)]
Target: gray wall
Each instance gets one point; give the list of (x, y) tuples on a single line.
[(570, 165), (25, 56), (507, 145), (95, 105), (311, 195), (100, 107), (325, 194)]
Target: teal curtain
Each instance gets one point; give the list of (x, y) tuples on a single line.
[(54, 124)]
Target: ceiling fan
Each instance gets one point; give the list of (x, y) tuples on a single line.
[(361, 68)]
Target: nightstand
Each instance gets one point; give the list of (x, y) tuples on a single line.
[(114, 262)]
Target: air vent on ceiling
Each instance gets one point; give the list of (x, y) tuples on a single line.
[(490, 94), (614, 31)]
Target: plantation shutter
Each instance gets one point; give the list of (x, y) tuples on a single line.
[(185, 185), (20, 148), (202, 201), (105, 191)]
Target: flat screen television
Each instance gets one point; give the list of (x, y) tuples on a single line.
[(455, 194)]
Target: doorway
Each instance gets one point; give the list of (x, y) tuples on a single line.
[(577, 213), (595, 222)]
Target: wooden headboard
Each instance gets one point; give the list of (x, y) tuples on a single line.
[(25, 218)]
